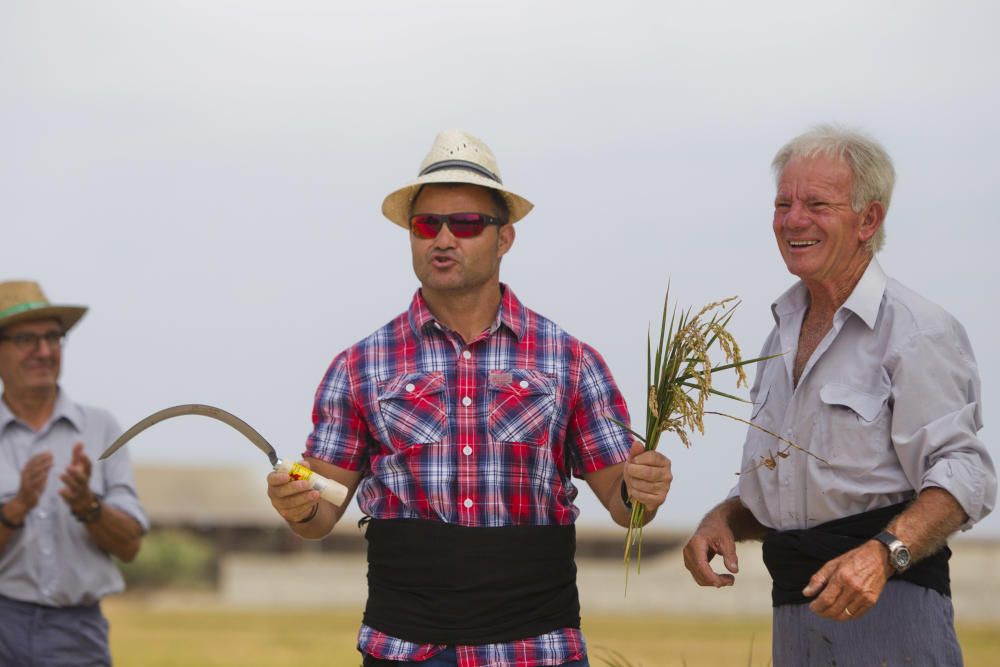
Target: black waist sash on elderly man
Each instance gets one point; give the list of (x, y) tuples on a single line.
[(794, 556), (436, 583)]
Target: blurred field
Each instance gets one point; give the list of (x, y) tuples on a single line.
[(145, 635)]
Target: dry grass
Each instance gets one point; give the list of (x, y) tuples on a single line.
[(145, 636)]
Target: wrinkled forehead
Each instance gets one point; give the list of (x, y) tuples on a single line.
[(821, 172)]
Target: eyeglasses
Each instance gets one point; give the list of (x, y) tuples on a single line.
[(30, 341), (461, 225)]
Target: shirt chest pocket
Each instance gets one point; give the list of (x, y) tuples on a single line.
[(412, 407), (855, 424), (521, 405)]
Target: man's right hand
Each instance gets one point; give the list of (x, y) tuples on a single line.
[(293, 499), (34, 477), (713, 538), (717, 535)]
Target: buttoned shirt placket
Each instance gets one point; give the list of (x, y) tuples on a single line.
[(791, 470)]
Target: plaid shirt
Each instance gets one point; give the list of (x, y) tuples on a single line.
[(488, 433)]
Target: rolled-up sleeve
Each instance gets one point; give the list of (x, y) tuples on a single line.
[(119, 481), (936, 415)]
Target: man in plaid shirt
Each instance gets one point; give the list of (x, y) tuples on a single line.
[(461, 424)]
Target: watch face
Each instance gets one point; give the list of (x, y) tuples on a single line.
[(901, 558)]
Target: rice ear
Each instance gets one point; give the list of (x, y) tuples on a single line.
[(679, 375)]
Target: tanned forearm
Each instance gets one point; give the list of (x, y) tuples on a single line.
[(14, 513), (646, 478), (116, 533), (5, 535), (620, 512), (740, 520), (326, 517), (926, 524)]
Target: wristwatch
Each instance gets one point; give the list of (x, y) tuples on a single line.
[(92, 513), (625, 499), (899, 553), (7, 523)]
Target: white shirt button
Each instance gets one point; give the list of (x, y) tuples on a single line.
[(46, 551), (410, 387), (524, 384), (42, 514), (466, 401), (468, 503), (467, 450), (466, 354)]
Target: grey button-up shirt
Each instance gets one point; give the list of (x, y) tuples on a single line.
[(52, 560), (890, 399)]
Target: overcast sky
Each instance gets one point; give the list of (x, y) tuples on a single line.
[(207, 177)]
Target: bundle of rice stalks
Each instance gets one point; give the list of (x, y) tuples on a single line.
[(679, 379)]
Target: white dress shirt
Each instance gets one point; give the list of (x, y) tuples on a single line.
[(890, 400)]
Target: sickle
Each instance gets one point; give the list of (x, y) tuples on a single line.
[(329, 490)]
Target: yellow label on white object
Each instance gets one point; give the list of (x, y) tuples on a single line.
[(299, 472)]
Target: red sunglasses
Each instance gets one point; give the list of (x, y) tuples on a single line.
[(461, 225)]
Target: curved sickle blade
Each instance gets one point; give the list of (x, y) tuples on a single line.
[(195, 409)]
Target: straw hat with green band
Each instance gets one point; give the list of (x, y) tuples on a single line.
[(23, 300), (455, 157)]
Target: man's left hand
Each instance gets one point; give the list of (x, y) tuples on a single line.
[(647, 476), (849, 585), (76, 479)]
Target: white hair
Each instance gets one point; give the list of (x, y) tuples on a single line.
[(870, 165)]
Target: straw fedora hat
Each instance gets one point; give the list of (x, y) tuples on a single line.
[(22, 300), (455, 157)]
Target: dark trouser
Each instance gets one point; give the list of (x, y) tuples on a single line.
[(445, 658), (32, 635)]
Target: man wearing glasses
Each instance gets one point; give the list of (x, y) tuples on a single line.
[(461, 424), (63, 514)]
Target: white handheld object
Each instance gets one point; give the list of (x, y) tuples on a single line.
[(329, 490)]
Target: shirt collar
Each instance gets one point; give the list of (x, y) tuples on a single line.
[(864, 301), (510, 314), (866, 298), (793, 300), (63, 409), (419, 314), (68, 410)]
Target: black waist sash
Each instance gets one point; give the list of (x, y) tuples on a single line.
[(794, 556), (436, 583)]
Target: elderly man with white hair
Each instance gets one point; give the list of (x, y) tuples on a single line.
[(881, 387)]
